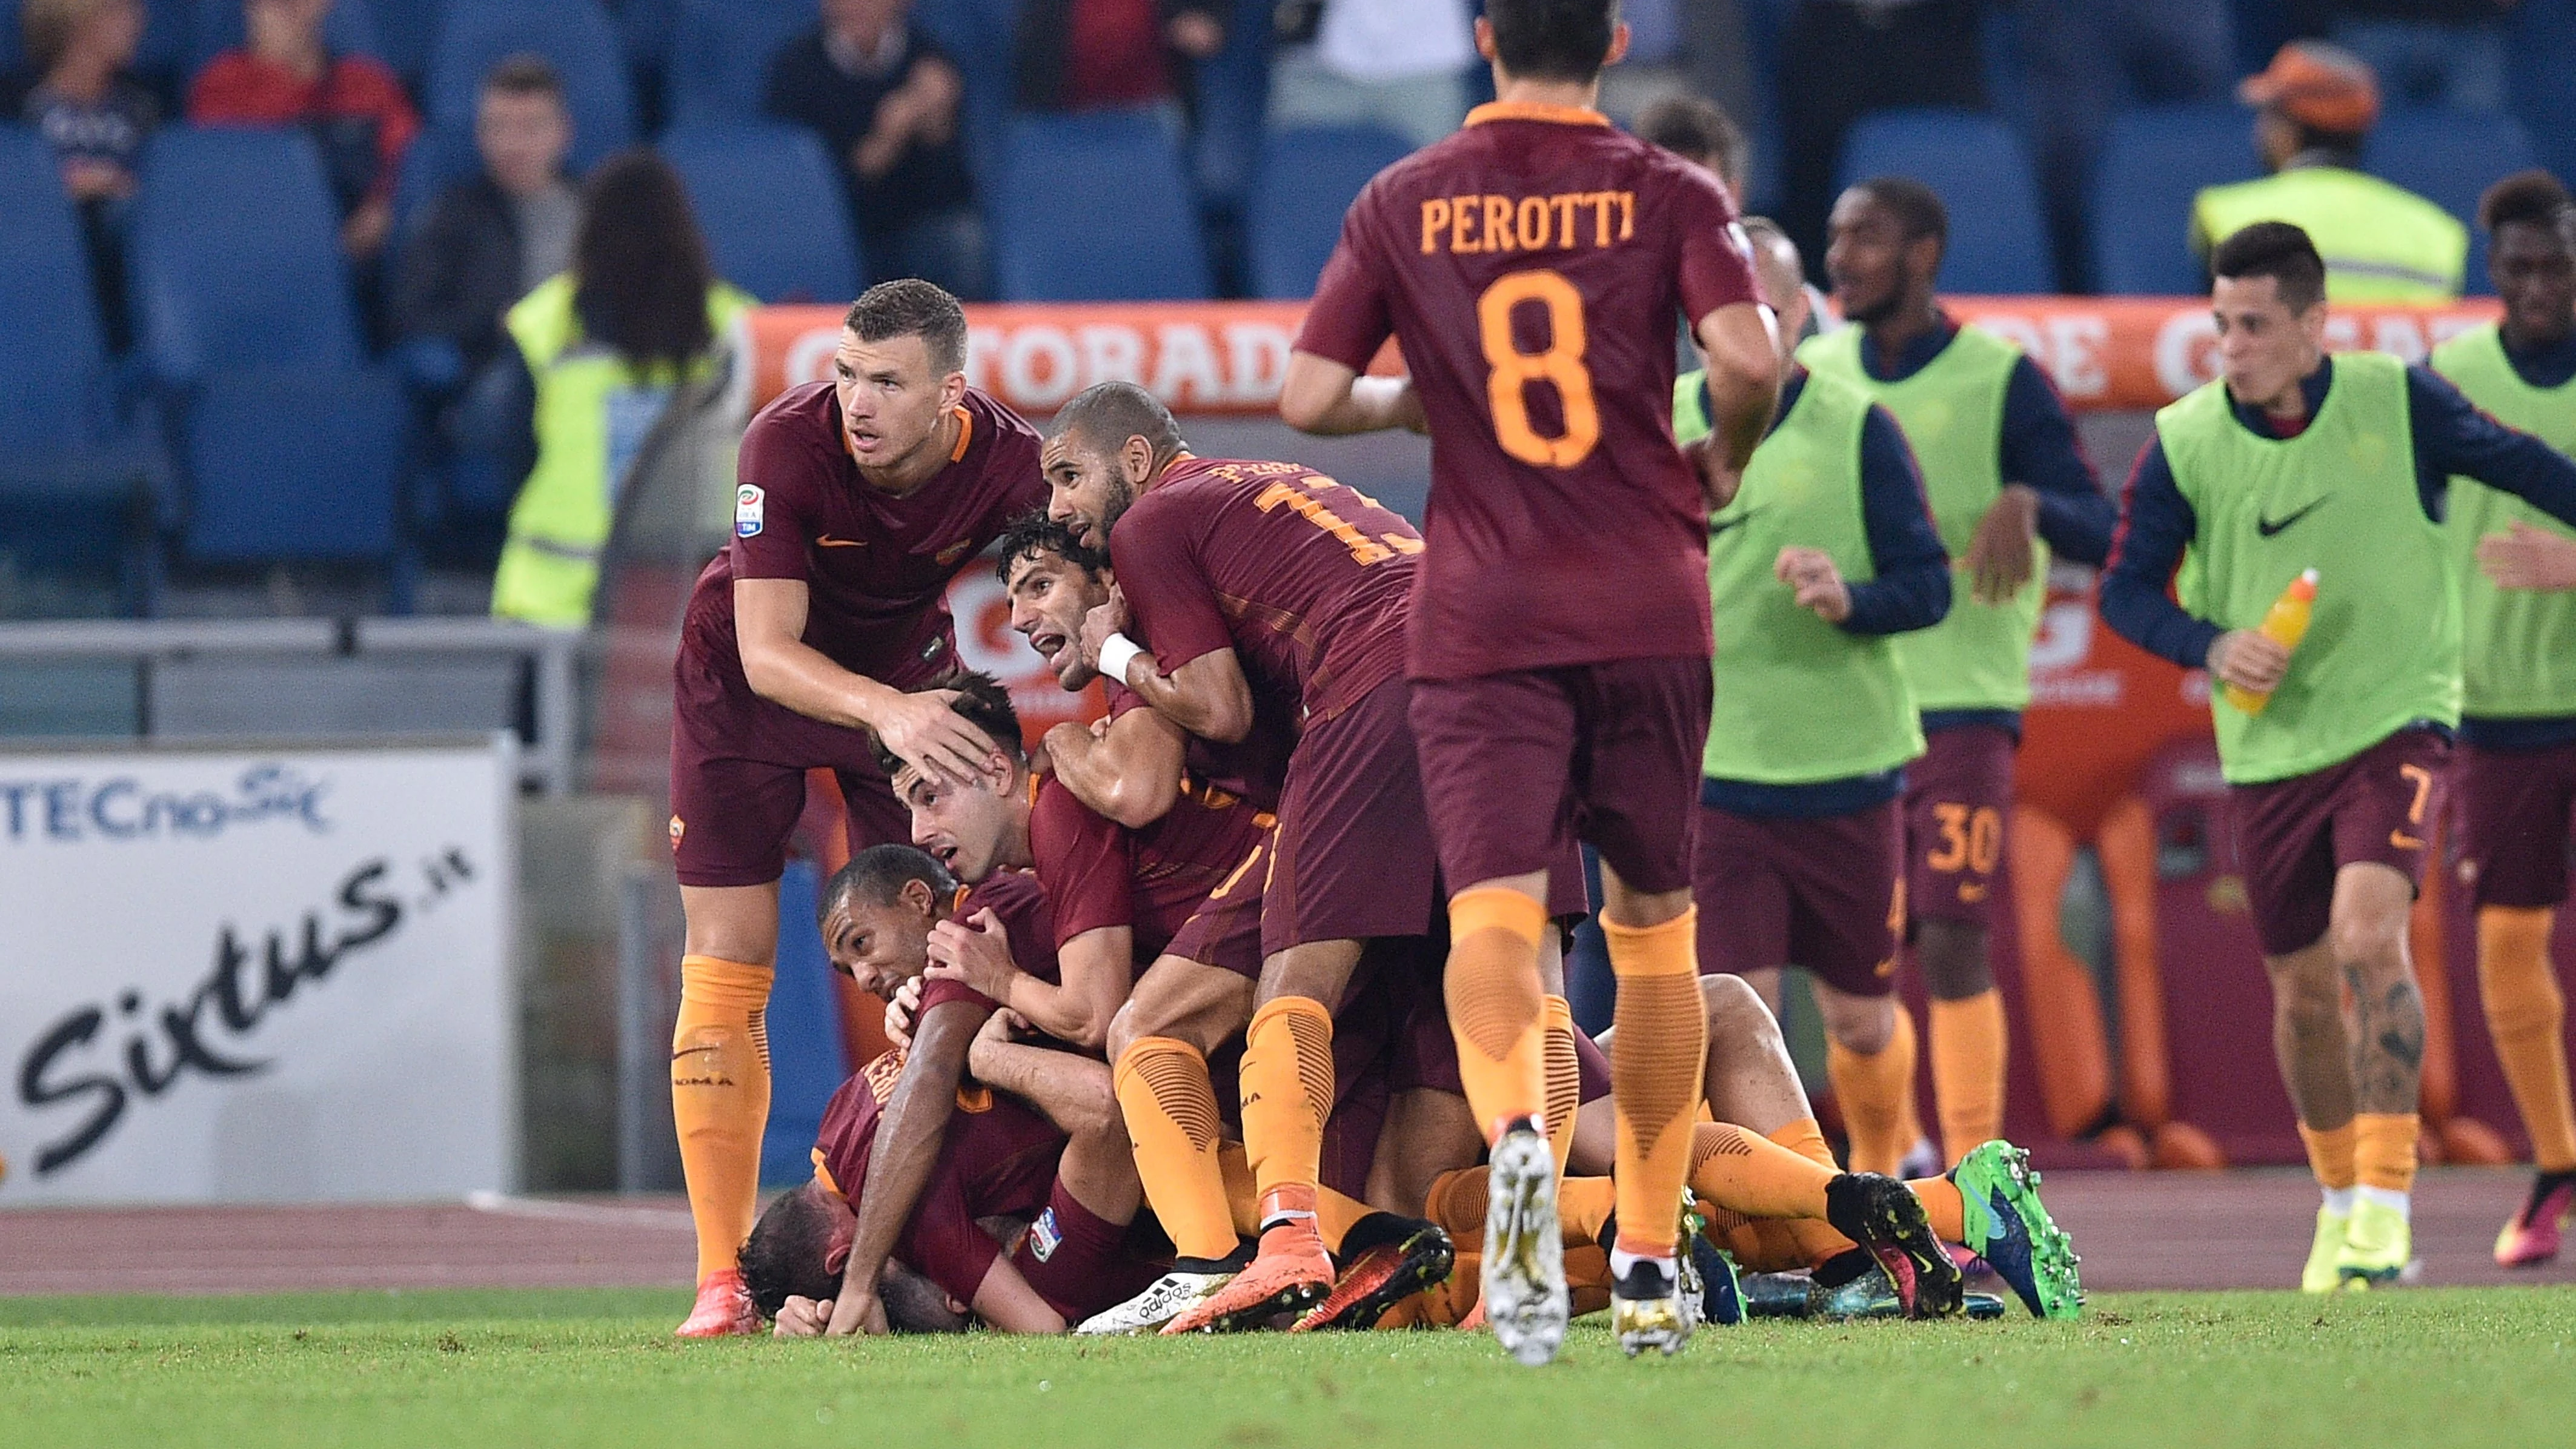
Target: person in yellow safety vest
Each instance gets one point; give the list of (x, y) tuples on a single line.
[(2382, 243), (606, 345)]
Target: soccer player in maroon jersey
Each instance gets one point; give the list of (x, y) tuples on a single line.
[(1531, 266), (821, 622)]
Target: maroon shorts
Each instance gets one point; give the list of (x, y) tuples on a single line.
[(1078, 1263), (738, 765), (1517, 767), (1225, 931), (2295, 834), (1352, 858), (2514, 808), (1822, 894), (1956, 800)]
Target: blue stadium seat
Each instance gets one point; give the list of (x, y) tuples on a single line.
[(2154, 162), (1998, 243), (406, 33), (1117, 164), (1308, 177), (1233, 92), (217, 26), (808, 1056), (720, 59), (69, 478), (575, 35), (2449, 158), (771, 209), (294, 464), (235, 260)]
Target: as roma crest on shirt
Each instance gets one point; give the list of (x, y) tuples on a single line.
[(749, 503), (949, 555)]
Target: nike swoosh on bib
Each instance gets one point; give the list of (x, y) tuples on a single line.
[(2268, 527), (828, 541), (1716, 527)]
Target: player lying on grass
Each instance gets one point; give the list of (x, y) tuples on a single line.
[(1037, 1140)]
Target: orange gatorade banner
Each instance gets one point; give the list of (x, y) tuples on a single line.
[(1223, 358)]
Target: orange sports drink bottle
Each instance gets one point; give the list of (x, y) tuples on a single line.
[(2285, 624)]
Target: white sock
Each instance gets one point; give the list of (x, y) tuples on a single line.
[(2339, 1200), (1621, 1260), (2393, 1201)]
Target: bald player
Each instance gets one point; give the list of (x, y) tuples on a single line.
[(823, 621), (1530, 267)]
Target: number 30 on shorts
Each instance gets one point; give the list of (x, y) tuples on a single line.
[(1507, 384), (1971, 838)]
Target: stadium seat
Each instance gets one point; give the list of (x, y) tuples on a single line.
[(1118, 164), (721, 55), (235, 260), (575, 35), (1308, 177), (2154, 162), (217, 26), (1233, 94), (69, 478), (406, 33), (2450, 158), (293, 464), (771, 209), (808, 1059), (1998, 243), (977, 36)]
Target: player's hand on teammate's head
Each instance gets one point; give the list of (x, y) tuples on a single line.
[(2528, 558), (1818, 584), (900, 1012), (801, 1317), (976, 951), (2001, 558), (2248, 659), (922, 731)]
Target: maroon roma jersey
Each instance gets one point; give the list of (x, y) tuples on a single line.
[(1028, 919), (1100, 874), (876, 567), (997, 1158), (1306, 579), (1531, 267)]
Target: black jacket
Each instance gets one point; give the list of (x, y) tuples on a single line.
[(459, 271)]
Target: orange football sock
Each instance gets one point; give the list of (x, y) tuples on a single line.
[(1457, 1202), (1815, 1238), (1755, 1176), (1583, 1205), (2525, 1015), (1564, 1077), (1968, 1071), (720, 1099), (1806, 1139), (2330, 1155), (1495, 1006), (1171, 1113), (1872, 1090), (1943, 1205), (1287, 1093), (1657, 1062), (2383, 1150)]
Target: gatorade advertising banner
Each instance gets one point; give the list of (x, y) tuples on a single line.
[(256, 976), (1229, 358)]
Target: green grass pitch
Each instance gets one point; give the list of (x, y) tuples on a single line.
[(569, 1368)]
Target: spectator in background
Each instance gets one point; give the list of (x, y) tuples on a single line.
[(2315, 105), (1086, 55), (1841, 60), (2427, 52), (1682, 48), (2089, 59), (883, 99), (602, 351), (1706, 136), (1398, 64), (80, 98), (353, 106)]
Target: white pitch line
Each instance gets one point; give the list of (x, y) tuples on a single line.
[(504, 1205)]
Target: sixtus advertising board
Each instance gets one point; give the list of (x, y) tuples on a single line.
[(233, 975)]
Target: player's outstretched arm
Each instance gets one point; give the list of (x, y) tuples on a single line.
[(1129, 772), (1073, 1092), (1208, 696), (907, 1148), (1322, 396), (769, 627), (2528, 558)]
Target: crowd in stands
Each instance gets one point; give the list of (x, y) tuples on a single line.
[(455, 139)]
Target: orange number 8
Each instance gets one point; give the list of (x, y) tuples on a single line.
[(1561, 364)]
